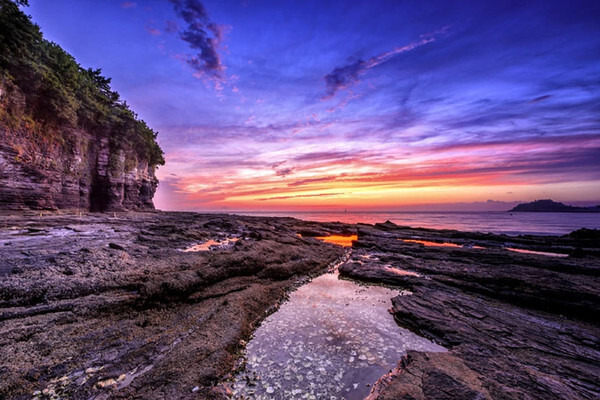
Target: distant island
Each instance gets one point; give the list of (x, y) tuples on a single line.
[(548, 205)]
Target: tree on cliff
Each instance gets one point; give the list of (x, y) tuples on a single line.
[(60, 93)]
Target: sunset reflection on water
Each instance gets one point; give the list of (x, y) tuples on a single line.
[(540, 253), (428, 243), (345, 241), (332, 338)]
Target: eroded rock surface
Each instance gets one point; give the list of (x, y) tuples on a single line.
[(110, 307), (65, 166), (519, 325), (86, 174)]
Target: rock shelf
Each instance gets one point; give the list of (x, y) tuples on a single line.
[(107, 306)]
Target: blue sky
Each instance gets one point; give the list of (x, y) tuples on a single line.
[(349, 104)]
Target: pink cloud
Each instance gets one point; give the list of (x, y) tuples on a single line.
[(152, 31)]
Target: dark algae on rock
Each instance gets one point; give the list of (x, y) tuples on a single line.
[(67, 141)]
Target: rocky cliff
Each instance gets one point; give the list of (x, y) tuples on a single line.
[(67, 141), (79, 170)]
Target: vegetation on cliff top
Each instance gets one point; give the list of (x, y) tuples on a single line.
[(60, 93)]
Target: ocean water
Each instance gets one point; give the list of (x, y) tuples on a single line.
[(494, 222)]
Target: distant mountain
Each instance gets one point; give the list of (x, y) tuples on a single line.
[(551, 206)]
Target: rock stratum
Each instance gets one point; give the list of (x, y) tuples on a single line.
[(120, 311), (518, 314), (82, 172)]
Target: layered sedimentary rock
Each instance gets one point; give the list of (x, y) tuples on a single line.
[(67, 168)]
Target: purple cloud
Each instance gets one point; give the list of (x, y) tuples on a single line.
[(151, 30), (284, 172), (300, 195), (348, 75), (171, 26), (315, 180), (331, 155), (541, 98), (201, 34)]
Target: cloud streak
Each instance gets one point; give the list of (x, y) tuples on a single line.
[(284, 171), (532, 161), (348, 75), (202, 35), (300, 196)]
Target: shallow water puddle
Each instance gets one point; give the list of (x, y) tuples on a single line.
[(401, 272), (447, 244), (431, 244), (332, 339), (206, 246), (540, 253), (345, 241)]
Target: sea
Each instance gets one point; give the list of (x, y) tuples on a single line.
[(515, 223)]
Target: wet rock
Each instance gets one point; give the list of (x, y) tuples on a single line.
[(152, 322), (585, 233), (519, 325), (116, 246), (440, 376), (161, 322)]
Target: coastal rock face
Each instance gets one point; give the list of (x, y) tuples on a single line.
[(79, 170), (439, 376)]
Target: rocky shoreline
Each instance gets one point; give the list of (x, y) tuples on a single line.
[(519, 325), (110, 306)]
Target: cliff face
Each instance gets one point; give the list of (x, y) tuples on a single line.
[(67, 140), (70, 169)]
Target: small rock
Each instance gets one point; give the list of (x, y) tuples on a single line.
[(105, 383), (116, 246)]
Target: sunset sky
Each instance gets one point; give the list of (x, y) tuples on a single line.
[(372, 105)]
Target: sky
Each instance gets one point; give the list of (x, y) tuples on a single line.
[(358, 105)]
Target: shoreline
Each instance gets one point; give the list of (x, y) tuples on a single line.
[(495, 222), (102, 307)]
